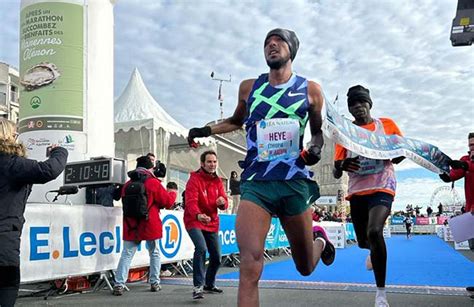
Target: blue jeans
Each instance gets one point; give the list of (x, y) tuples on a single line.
[(129, 249), (205, 241)]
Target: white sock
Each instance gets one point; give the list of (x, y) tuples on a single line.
[(381, 293), (322, 240)]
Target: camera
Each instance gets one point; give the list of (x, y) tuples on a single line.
[(159, 170)]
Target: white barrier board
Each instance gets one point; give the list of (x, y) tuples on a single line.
[(67, 240)]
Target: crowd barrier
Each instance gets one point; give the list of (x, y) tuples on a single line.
[(60, 240), (445, 233), (420, 220)]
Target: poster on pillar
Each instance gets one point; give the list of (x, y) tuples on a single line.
[(51, 67)]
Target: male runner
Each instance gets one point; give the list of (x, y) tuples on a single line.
[(372, 186), (275, 109)]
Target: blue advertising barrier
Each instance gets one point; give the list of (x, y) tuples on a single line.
[(398, 220), (276, 237), (350, 232), (227, 234)]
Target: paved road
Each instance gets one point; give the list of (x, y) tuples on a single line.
[(175, 295)]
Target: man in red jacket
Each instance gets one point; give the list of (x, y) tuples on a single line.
[(136, 230), (464, 167), (204, 195)]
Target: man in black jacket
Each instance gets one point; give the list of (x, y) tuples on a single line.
[(17, 174)]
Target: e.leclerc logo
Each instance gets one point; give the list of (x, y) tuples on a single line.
[(172, 236)]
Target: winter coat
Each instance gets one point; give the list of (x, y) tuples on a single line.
[(17, 174), (158, 197), (468, 175), (202, 191), (234, 186)]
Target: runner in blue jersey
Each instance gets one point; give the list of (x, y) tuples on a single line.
[(275, 109)]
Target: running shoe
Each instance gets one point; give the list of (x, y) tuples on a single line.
[(381, 302), (198, 293), (329, 252), (212, 289)]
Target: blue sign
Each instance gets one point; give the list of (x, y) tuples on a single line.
[(350, 232)]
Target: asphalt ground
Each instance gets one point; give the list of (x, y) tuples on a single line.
[(177, 292)]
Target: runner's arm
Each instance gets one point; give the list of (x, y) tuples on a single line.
[(312, 154), (237, 119), (315, 118)]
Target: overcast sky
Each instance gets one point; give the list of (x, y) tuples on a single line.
[(398, 49)]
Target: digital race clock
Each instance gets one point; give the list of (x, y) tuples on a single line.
[(97, 171)]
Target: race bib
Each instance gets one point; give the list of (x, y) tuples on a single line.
[(278, 139), (370, 166)]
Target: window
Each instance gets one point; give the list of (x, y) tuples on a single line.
[(14, 94), (3, 99)]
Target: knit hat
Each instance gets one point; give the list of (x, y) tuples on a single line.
[(289, 37), (358, 93)]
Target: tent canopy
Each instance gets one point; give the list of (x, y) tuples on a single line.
[(142, 126)]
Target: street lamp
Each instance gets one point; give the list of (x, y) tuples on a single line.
[(220, 97)]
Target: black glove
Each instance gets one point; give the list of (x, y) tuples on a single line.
[(198, 133), (457, 164), (312, 155), (349, 164), (445, 177)]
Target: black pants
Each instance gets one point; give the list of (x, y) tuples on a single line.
[(369, 213), (9, 285)]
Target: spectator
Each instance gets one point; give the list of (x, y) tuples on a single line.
[(234, 185), (316, 214), (440, 206), (137, 229), (204, 195), (17, 175), (173, 186), (429, 211), (183, 199), (417, 210), (464, 167)]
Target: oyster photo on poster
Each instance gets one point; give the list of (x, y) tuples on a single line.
[(51, 67)]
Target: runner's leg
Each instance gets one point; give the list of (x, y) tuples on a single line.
[(252, 227), (360, 217), (305, 252), (378, 250)]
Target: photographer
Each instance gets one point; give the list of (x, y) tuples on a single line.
[(17, 175)]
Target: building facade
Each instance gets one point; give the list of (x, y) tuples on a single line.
[(9, 92), (332, 190)]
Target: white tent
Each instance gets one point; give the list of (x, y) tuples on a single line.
[(142, 126)]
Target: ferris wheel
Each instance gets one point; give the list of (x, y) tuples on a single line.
[(447, 196)]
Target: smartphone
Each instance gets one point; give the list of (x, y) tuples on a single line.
[(48, 150)]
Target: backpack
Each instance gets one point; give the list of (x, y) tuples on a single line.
[(135, 201)]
